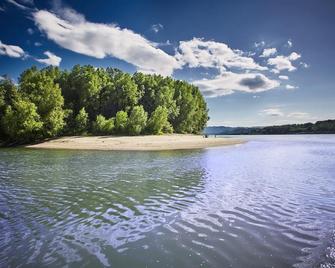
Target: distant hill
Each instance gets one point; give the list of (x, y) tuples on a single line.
[(320, 127)]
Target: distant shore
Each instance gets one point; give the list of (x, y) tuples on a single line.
[(135, 143)]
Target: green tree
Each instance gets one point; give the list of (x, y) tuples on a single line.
[(40, 88), (158, 121), (103, 126), (82, 86), (81, 121), (8, 94), (193, 113), (137, 120), (121, 120), (21, 121)]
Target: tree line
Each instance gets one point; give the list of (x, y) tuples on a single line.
[(319, 127), (52, 102)]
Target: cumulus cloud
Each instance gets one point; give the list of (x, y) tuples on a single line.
[(298, 115), (37, 44), (290, 87), (228, 82), (283, 77), (272, 112), (11, 51), (27, 5), (289, 43), (304, 64), (157, 27), (259, 44), (72, 31), (51, 59), (210, 54), (267, 52), (30, 31), (284, 62)]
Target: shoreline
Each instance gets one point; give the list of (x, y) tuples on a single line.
[(135, 143)]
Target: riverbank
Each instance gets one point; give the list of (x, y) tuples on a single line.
[(135, 143)]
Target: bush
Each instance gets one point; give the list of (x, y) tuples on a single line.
[(121, 120), (137, 120), (103, 126), (21, 122), (81, 121)]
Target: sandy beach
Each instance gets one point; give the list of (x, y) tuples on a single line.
[(136, 143)]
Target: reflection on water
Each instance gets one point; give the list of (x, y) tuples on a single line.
[(270, 202)]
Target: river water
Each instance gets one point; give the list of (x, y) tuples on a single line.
[(267, 203)]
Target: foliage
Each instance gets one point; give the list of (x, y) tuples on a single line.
[(39, 87), (158, 122), (137, 120), (320, 127), (86, 99), (21, 121), (121, 120), (81, 121), (103, 126)]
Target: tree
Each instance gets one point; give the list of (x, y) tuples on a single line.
[(137, 120), (40, 88), (121, 120), (105, 101), (103, 126), (8, 95), (126, 94), (81, 87), (158, 122), (193, 113), (21, 121), (81, 121)]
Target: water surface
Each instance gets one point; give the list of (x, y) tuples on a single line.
[(267, 203)]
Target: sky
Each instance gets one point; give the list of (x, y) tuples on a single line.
[(256, 62)]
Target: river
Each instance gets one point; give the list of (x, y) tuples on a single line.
[(267, 203)]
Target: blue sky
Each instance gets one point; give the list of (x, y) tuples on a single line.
[(256, 62)]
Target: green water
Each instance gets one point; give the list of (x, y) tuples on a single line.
[(240, 206)]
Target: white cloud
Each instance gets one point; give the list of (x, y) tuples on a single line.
[(11, 51), (267, 52), (283, 77), (51, 59), (22, 4), (227, 83), (37, 44), (284, 62), (210, 54), (73, 32), (298, 115), (272, 112), (290, 87), (259, 44), (289, 43), (30, 31), (294, 56), (304, 64), (157, 27)]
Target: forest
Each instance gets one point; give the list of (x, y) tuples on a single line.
[(85, 100), (319, 127)]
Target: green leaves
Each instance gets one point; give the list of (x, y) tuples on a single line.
[(81, 121), (121, 121), (159, 121), (21, 121), (103, 126), (50, 102), (137, 120)]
